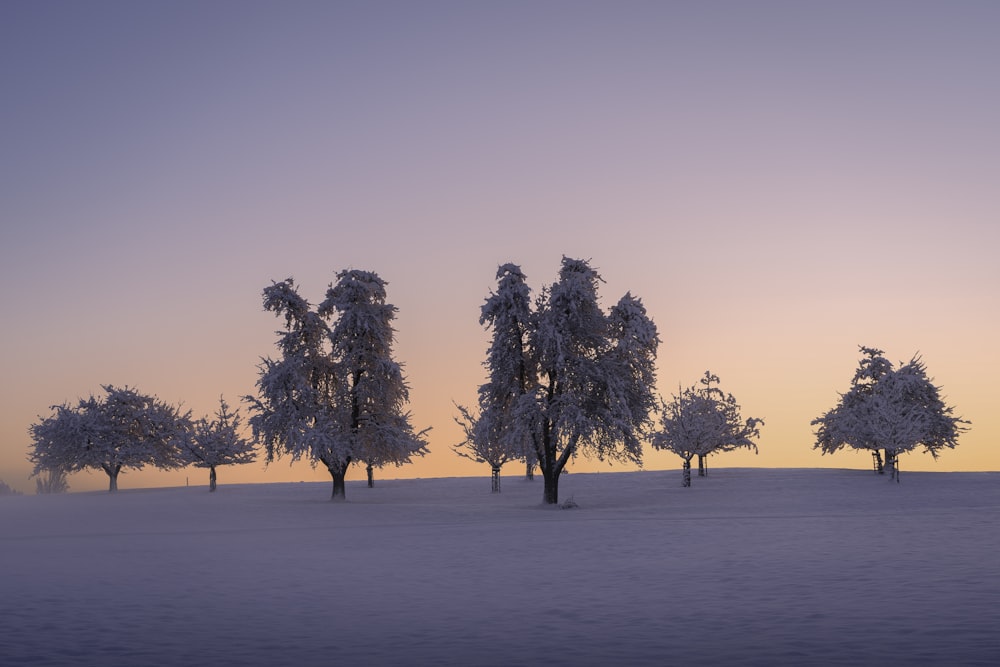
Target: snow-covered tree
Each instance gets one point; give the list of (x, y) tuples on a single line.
[(336, 396), (699, 421), (889, 410), (296, 411), (376, 391), (218, 442), (481, 444), (493, 436), (124, 429), (565, 378)]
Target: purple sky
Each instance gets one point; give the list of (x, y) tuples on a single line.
[(779, 181)]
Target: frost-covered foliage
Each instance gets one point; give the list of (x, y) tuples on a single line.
[(481, 444), (891, 409), (6, 490), (218, 442), (124, 429), (335, 396), (566, 378), (492, 436), (699, 421)]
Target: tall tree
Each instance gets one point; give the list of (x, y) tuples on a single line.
[(587, 376), (124, 429), (374, 387), (889, 410), (219, 442), (493, 436), (699, 421), (336, 396)]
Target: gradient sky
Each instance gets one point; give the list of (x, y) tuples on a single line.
[(780, 182)]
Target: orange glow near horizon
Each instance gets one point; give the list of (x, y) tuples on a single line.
[(773, 201)]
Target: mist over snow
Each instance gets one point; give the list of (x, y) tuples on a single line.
[(747, 567)]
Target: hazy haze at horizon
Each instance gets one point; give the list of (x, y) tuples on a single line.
[(779, 182)]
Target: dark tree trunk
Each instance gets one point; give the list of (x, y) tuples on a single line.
[(112, 472), (339, 474), (529, 472), (879, 468), (495, 488), (687, 472), (211, 479), (702, 465), (892, 465), (551, 493), (371, 476), (552, 466)]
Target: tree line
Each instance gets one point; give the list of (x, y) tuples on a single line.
[(564, 379)]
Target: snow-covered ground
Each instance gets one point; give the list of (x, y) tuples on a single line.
[(749, 566)]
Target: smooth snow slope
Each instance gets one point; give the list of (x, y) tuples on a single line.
[(747, 567)]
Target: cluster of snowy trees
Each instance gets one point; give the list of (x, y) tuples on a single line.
[(335, 396), (564, 379), (126, 429), (889, 410)]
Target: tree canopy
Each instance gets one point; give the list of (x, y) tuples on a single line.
[(335, 396), (566, 378), (701, 420), (124, 429), (218, 442), (889, 408)]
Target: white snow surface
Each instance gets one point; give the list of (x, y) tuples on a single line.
[(747, 567)]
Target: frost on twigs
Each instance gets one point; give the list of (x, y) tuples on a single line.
[(699, 421), (564, 377), (889, 410), (335, 396)]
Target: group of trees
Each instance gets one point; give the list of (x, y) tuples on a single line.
[(564, 378), (335, 396), (125, 429), (889, 410)]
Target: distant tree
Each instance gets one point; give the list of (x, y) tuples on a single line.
[(483, 445), (889, 411), (566, 378), (6, 490), (124, 429), (336, 396), (51, 481), (219, 442), (702, 420)]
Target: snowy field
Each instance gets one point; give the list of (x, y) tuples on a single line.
[(747, 567)]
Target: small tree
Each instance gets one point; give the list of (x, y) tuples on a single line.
[(219, 442), (336, 396), (6, 490), (889, 410), (700, 421), (482, 444), (125, 429)]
